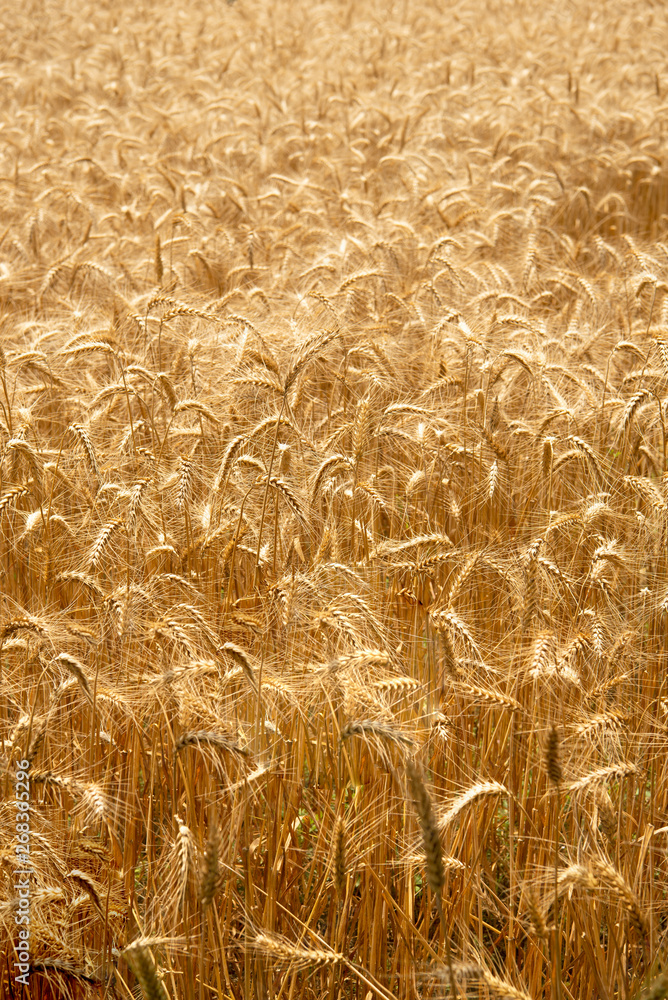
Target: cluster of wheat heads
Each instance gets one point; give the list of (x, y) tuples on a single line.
[(333, 510)]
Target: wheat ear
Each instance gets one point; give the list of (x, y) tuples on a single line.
[(433, 850), (141, 961), (554, 773), (209, 882), (657, 989), (207, 890)]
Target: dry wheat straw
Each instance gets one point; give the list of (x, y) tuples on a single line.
[(211, 867), (339, 857)]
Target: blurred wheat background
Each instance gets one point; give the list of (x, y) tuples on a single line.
[(334, 497)]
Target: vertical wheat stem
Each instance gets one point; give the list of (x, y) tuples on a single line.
[(237, 535), (510, 951), (266, 492)]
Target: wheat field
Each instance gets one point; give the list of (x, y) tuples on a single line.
[(334, 498)]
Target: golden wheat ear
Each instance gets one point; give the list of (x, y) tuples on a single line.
[(657, 989), (141, 962), (536, 917), (431, 840), (284, 952), (555, 774), (211, 873), (433, 849), (552, 757)]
